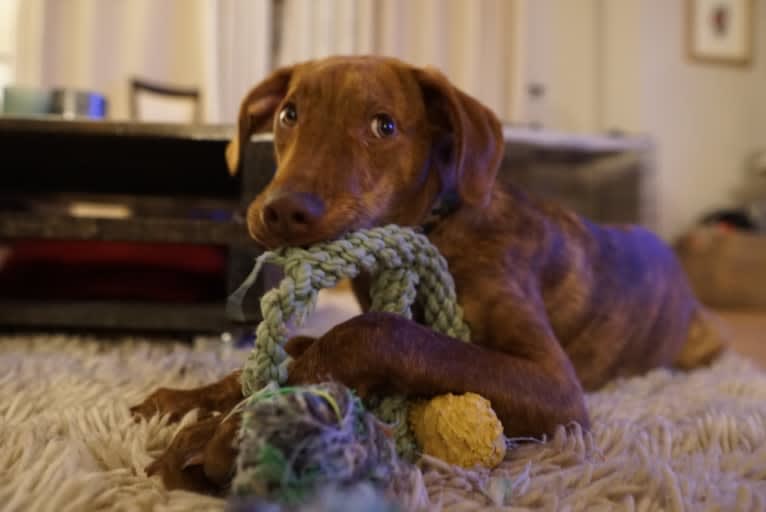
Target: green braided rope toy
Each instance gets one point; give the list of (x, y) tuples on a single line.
[(404, 266)]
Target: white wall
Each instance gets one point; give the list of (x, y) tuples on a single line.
[(99, 45), (561, 40), (472, 41), (757, 128), (7, 41), (222, 47), (620, 49), (702, 115), (622, 64)]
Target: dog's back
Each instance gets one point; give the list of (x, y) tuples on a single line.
[(616, 296), (641, 304)]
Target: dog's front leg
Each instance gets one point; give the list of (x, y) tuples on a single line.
[(531, 393)]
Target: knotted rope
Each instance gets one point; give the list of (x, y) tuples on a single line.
[(404, 266)]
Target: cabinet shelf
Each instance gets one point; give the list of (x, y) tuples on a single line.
[(24, 225)]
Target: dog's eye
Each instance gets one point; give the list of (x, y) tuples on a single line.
[(288, 116), (383, 126)]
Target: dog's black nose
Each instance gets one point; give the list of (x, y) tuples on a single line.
[(288, 214)]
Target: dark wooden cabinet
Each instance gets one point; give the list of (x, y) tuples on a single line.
[(143, 184)]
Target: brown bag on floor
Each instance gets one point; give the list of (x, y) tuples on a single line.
[(726, 268)]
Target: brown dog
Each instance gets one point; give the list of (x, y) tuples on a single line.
[(555, 303)]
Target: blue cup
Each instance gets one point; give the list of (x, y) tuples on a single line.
[(72, 104)]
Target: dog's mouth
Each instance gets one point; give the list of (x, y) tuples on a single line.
[(324, 231), (270, 242)]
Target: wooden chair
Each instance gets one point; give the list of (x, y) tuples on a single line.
[(155, 102)]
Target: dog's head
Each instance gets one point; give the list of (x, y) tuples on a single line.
[(361, 142)]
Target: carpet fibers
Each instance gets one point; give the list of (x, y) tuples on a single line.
[(664, 441)]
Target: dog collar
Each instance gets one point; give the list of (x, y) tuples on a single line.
[(445, 204)]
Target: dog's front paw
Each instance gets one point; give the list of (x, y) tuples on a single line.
[(220, 396), (200, 457), (172, 402)]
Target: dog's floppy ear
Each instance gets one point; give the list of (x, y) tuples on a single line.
[(256, 112), (468, 138)]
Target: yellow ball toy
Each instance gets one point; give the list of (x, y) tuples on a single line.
[(459, 429)]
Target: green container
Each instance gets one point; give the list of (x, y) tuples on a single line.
[(27, 101)]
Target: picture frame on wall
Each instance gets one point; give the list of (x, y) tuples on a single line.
[(720, 31)]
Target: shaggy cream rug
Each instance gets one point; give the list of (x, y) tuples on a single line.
[(665, 441)]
